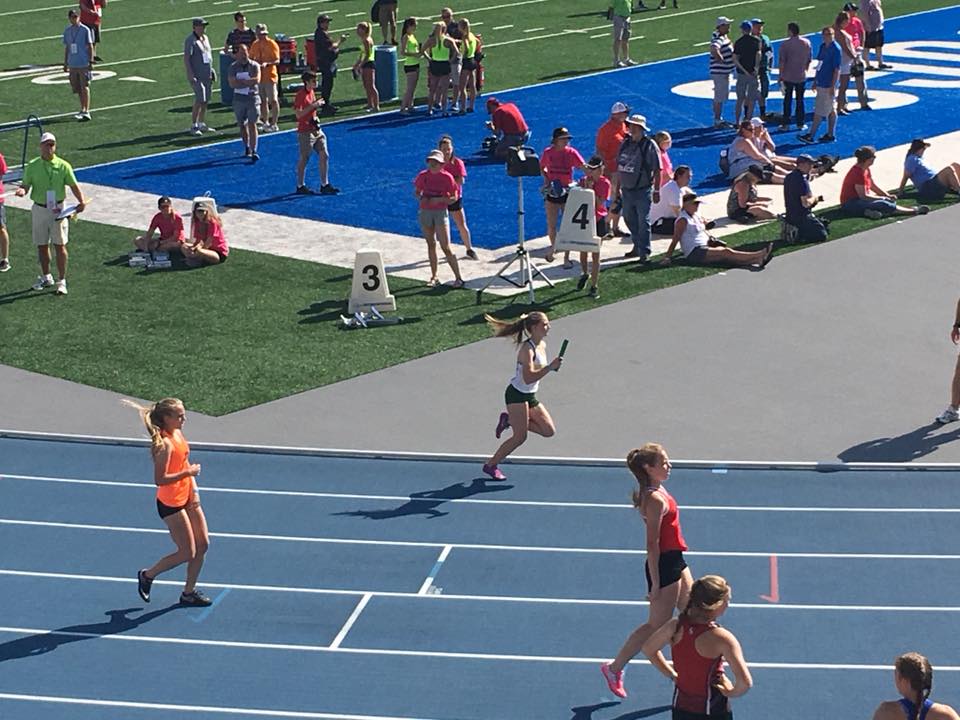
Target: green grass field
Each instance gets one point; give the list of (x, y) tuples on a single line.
[(263, 327)]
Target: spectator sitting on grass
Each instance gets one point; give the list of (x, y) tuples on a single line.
[(169, 226), (930, 185), (766, 145), (861, 198), (743, 152), (209, 246), (799, 201), (700, 248), (664, 213), (744, 203)]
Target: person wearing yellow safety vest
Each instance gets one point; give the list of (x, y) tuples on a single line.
[(364, 67), (440, 48), (410, 52), (468, 79)]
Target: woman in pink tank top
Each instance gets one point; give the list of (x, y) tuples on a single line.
[(668, 578)]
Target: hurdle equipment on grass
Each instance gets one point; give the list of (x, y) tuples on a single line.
[(578, 225), (14, 152), (369, 289)]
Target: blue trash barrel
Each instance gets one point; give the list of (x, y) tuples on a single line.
[(226, 92), (385, 65)]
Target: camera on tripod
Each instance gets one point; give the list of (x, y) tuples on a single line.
[(522, 162)]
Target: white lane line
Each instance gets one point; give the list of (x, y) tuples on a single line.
[(484, 501), (306, 9), (806, 7), (530, 30), (191, 2), (655, 17), (350, 621), (126, 105), (480, 598), (702, 44), (223, 2), (244, 6), (354, 14), (428, 583), (664, 42), (480, 546), (41, 9), (885, 667), (601, 35), (501, 27), (206, 709)]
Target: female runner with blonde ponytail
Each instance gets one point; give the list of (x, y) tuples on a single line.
[(178, 501), (913, 678), (524, 412)]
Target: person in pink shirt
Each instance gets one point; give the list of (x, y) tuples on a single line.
[(595, 180), (557, 164), (858, 34), (169, 226), (4, 236), (436, 190), (454, 165), (664, 143), (209, 246)]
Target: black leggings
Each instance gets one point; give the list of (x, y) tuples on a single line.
[(789, 89)]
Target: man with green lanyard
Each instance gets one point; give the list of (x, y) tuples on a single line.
[(46, 179), (766, 61), (619, 13)]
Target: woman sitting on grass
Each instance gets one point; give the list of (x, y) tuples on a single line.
[(700, 248), (168, 224), (744, 203), (209, 246)]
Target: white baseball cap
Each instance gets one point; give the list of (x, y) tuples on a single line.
[(48, 137), (638, 120), (756, 122), (619, 107), (723, 20)]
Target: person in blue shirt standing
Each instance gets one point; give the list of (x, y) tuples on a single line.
[(825, 83), (929, 184), (78, 61)]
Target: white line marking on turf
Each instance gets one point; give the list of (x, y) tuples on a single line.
[(664, 42), (306, 9), (211, 709), (484, 501), (601, 35), (42, 9), (477, 598), (354, 14), (423, 653), (480, 546), (806, 7), (530, 30), (428, 583), (350, 621), (501, 27), (702, 44)]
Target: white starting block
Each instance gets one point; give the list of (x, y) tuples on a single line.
[(373, 318), (579, 222), (369, 291)]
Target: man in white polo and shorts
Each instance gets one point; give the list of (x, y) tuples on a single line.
[(310, 138), (46, 178)]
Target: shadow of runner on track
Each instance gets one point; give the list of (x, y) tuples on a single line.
[(42, 643), (902, 448), (427, 501), (585, 712)]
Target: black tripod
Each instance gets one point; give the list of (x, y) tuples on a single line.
[(528, 268)]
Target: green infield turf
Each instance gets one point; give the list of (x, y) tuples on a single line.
[(143, 106), (253, 330)]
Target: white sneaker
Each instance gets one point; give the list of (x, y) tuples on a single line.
[(628, 61), (274, 128), (196, 131), (61, 287), (43, 282), (619, 64), (206, 128), (948, 415), (4, 265)]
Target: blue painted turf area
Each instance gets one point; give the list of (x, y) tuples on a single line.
[(544, 579), (374, 159)]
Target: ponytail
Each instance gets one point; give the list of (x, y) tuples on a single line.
[(916, 670), (152, 418), (516, 327), (706, 597), (637, 460)]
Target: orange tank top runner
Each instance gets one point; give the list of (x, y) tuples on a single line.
[(176, 494)]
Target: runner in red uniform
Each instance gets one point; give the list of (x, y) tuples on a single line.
[(699, 647), (668, 577)]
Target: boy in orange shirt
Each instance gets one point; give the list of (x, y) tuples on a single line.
[(265, 51)]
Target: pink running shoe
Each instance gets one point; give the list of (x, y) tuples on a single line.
[(614, 680), (502, 424), (494, 472)]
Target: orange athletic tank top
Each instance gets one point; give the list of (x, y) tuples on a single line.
[(176, 494)]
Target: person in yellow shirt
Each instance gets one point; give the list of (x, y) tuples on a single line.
[(265, 51)]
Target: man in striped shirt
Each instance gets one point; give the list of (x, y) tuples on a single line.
[(721, 65)]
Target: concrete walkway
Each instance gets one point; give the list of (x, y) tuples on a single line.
[(837, 351)]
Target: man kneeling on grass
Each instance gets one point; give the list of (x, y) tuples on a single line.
[(700, 248)]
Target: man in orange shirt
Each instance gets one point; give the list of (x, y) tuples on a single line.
[(266, 52), (91, 11), (609, 138)]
